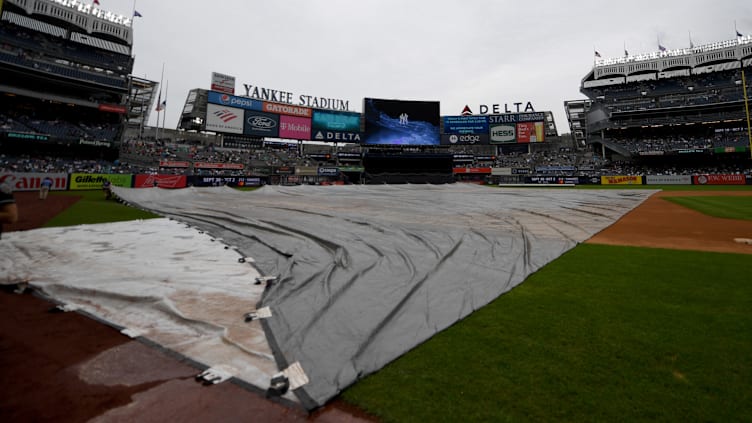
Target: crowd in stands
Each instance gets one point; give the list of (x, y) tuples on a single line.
[(145, 156), (64, 130), (678, 142), (55, 54)]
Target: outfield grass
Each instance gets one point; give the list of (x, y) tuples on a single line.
[(725, 207), (93, 208), (603, 333), (672, 187)]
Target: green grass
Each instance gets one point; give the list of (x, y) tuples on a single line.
[(672, 187), (602, 334), (93, 208), (725, 207)]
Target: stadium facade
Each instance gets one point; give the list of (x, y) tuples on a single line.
[(66, 87), (679, 107)]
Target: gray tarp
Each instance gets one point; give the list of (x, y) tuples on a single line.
[(367, 273)]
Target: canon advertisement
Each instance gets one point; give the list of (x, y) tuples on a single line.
[(398, 122)]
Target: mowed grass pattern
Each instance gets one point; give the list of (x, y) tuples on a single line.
[(725, 207), (93, 208), (603, 333)]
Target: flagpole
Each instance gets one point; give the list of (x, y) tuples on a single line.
[(746, 108), (159, 100), (164, 115)]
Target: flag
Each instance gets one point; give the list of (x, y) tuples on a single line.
[(96, 2), (661, 48), (597, 54), (159, 102), (739, 34), (626, 53), (161, 106), (136, 14)]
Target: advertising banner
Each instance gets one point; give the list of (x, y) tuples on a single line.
[(234, 101), (721, 150), (174, 163), (208, 165), (336, 121), (501, 171), (471, 170), (296, 128), (161, 181), (260, 124), (454, 139), (219, 181), (328, 171), (287, 109), (556, 180), (335, 136), (224, 119), (517, 117), (352, 169), (525, 130), (112, 108), (223, 83), (401, 122), (621, 180), (83, 181), (32, 181), (668, 180), (719, 180), (25, 136), (472, 124), (503, 134)]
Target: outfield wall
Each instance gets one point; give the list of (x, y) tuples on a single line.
[(93, 181)]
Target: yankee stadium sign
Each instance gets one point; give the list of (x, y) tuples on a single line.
[(278, 96)]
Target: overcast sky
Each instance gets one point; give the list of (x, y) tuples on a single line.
[(456, 52)]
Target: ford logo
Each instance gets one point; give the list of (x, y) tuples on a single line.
[(261, 122)]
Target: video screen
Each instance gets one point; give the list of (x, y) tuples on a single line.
[(400, 122)]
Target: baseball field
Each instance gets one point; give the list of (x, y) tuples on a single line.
[(651, 319)]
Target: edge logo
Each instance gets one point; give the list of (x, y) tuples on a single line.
[(464, 139)]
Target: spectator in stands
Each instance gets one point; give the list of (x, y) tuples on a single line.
[(8, 208), (44, 187)]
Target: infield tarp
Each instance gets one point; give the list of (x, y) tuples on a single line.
[(366, 273)]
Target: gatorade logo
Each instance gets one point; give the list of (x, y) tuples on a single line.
[(503, 133)]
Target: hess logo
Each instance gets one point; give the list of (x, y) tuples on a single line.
[(502, 133)]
